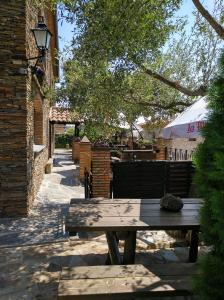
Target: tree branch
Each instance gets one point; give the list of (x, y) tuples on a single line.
[(157, 105), (201, 91), (215, 25)]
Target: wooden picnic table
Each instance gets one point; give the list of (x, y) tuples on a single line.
[(122, 218)]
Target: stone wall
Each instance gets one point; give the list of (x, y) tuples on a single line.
[(19, 179), (13, 113), (39, 169), (37, 108), (186, 144)]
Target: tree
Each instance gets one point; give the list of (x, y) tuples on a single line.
[(97, 24), (112, 71), (145, 29), (210, 183), (103, 96)]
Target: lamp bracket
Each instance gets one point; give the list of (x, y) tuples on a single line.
[(36, 57)]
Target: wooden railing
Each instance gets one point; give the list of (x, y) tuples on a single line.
[(88, 184)]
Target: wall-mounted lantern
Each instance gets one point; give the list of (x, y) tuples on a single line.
[(42, 37)]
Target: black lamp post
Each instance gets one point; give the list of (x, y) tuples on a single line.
[(42, 37)]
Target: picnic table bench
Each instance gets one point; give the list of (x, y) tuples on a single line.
[(122, 218), (126, 281)]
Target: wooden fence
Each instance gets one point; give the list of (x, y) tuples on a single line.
[(151, 179)]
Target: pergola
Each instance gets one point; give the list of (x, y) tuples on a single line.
[(60, 115)]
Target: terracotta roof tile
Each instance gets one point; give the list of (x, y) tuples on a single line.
[(63, 116)]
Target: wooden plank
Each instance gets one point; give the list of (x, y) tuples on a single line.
[(148, 177), (95, 272), (96, 223), (127, 201), (137, 185), (127, 206), (113, 209), (104, 210), (138, 270), (122, 287), (138, 194)]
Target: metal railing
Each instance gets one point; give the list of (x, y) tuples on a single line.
[(179, 154), (88, 184)]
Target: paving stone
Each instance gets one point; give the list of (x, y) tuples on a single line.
[(45, 222), (168, 255), (182, 253)]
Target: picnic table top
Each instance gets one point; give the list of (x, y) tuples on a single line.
[(130, 215)]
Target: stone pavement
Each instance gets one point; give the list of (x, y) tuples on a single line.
[(33, 250), (45, 222)]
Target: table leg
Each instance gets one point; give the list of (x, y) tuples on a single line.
[(193, 251), (108, 261), (129, 248), (114, 254)]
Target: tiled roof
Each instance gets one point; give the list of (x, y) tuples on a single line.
[(63, 116)]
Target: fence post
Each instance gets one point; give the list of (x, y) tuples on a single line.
[(161, 145), (75, 150), (85, 157), (101, 172)]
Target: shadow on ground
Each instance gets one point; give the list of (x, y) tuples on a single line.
[(45, 222)]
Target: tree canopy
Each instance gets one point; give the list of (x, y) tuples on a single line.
[(137, 57)]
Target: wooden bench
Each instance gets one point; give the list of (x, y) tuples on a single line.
[(126, 281)]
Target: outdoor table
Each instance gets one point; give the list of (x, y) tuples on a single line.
[(122, 218)]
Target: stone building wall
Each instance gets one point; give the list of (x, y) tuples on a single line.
[(38, 107), (19, 89), (13, 112), (184, 148), (186, 144), (39, 169)]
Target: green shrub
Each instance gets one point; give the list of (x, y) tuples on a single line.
[(209, 162), (62, 139)]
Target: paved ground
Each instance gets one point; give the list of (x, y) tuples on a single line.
[(33, 250), (45, 222)]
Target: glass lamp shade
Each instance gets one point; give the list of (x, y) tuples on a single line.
[(42, 37)]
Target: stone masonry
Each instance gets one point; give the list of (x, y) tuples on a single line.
[(76, 150), (85, 157), (161, 145), (23, 107), (101, 172)]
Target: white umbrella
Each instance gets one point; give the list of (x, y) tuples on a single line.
[(189, 123)]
